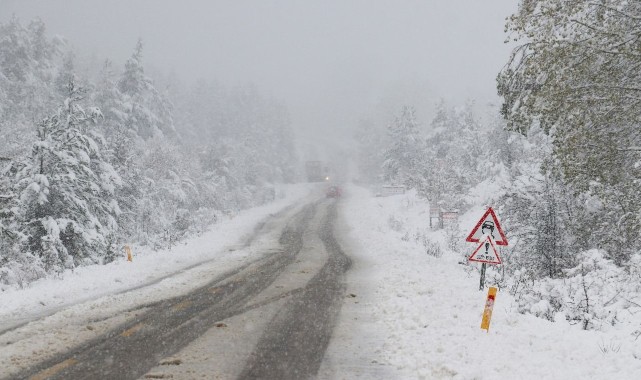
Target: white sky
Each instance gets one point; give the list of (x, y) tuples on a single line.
[(328, 60)]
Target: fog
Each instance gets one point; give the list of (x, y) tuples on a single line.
[(330, 61)]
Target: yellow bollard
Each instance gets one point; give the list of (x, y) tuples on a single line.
[(128, 251), (487, 313)]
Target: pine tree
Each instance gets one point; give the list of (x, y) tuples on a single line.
[(452, 168), (27, 61), (123, 149), (167, 188), (65, 75), (66, 190), (148, 112), (405, 157)]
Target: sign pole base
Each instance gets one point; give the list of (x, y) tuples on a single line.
[(482, 284)]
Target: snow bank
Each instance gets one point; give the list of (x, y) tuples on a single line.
[(424, 312)]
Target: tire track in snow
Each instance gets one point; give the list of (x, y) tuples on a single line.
[(296, 339)]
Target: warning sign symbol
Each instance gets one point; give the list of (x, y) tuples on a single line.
[(488, 225), (486, 252)]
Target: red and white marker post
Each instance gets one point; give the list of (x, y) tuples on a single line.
[(489, 306)]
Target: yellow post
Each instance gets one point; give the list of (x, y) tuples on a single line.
[(128, 251), (487, 313)]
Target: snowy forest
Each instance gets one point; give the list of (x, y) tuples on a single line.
[(559, 159), (94, 157)]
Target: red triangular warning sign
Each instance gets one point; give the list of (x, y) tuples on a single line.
[(488, 225), (486, 252)]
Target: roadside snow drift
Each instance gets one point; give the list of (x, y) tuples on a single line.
[(415, 316)]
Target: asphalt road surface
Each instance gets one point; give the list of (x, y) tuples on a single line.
[(271, 318)]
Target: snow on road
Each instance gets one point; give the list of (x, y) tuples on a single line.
[(413, 316)]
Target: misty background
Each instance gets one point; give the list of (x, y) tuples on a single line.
[(147, 122), (331, 62)]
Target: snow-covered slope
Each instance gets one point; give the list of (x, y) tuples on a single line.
[(411, 315)]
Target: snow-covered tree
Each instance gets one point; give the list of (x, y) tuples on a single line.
[(66, 190), (573, 76), (16, 266), (27, 66), (539, 210), (405, 157), (148, 112), (123, 148), (66, 74), (167, 190), (371, 150), (460, 155)]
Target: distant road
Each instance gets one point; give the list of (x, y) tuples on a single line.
[(293, 293)]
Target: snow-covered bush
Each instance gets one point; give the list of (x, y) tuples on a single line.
[(454, 237), (594, 294), (395, 224), (431, 247)]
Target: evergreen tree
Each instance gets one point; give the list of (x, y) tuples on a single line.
[(372, 142), (123, 149), (405, 156), (16, 267), (27, 63), (66, 190), (65, 75), (458, 156), (148, 112)]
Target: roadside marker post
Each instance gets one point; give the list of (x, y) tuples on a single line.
[(489, 305), (129, 255)]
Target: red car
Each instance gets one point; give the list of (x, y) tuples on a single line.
[(333, 192)]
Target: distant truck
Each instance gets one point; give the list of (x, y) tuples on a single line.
[(316, 171)]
